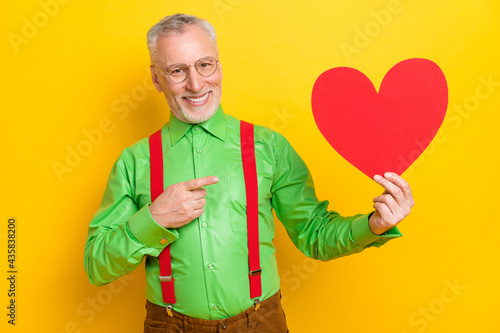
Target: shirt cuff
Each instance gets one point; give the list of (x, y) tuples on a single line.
[(149, 232), (363, 236)]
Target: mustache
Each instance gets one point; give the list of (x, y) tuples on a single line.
[(196, 94)]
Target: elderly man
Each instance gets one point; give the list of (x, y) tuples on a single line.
[(196, 200)]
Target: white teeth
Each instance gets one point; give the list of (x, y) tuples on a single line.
[(199, 99)]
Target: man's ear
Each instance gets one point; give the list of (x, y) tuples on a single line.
[(155, 78)]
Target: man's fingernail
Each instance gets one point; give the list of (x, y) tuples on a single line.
[(387, 174), (377, 177), (215, 179)]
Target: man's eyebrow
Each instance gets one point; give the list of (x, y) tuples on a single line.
[(175, 64), (183, 64)]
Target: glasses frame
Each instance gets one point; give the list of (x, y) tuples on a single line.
[(188, 67)]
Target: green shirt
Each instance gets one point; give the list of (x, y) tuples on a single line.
[(209, 254)]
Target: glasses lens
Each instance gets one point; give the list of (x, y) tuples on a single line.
[(177, 73), (206, 66)]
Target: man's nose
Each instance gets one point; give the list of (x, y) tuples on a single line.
[(194, 81)]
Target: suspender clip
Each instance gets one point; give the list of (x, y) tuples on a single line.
[(169, 310), (256, 302), (167, 278), (256, 272)]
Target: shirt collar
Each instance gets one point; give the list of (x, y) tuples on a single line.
[(215, 126)]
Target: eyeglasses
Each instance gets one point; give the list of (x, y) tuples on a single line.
[(178, 73)]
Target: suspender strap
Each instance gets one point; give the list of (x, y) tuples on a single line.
[(156, 167), (252, 194)]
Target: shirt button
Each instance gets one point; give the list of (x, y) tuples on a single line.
[(216, 307), (210, 266), (204, 224), (199, 151), (196, 128)]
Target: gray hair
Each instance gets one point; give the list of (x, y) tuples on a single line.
[(176, 23)]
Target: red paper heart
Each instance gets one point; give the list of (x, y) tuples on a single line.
[(385, 131)]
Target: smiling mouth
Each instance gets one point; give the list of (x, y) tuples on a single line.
[(197, 101)]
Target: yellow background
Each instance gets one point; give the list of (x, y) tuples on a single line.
[(83, 66)]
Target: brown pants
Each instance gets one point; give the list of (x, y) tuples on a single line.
[(270, 318)]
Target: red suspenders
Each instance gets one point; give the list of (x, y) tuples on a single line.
[(156, 167), (252, 194), (251, 187)]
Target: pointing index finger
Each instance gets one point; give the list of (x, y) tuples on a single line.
[(196, 183)]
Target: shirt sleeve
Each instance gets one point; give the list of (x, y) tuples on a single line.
[(316, 231), (121, 233)]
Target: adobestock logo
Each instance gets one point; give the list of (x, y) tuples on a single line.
[(31, 26), (372, 29), (224, 6), (121, 106), (293, 277), (281, 119), (429, 313), (89, 309), (484, 90), (425, 148)]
